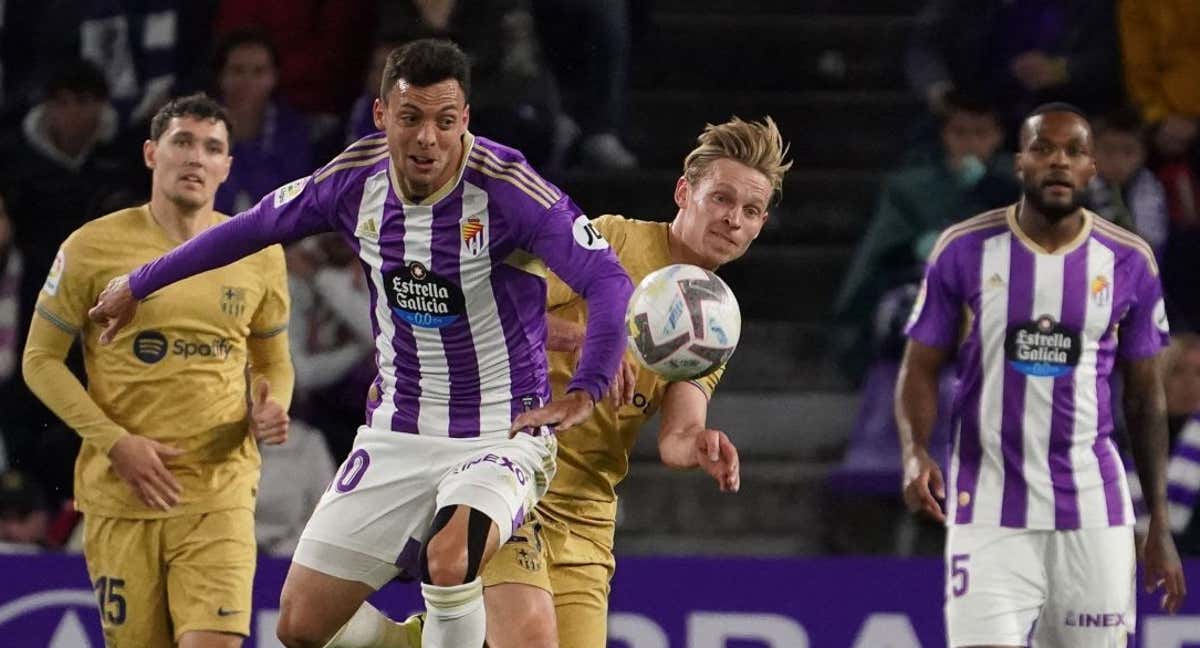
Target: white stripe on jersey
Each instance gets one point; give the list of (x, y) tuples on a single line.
[(1085, 467), (433, 417), (1039, 399), (370, 209), (993, 323), (487, 332)]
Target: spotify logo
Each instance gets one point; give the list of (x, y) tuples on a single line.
[(150, 346)]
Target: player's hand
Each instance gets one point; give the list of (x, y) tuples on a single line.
[(139, 461), (717, 455), (1162, 567), (621, 391), (268, 419), (922, 483), (114, 308), (563, 414)]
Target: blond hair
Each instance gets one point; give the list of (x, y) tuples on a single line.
[(758, 145)]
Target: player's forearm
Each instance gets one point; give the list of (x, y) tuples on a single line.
[(563, 334), (271, 359), (916, 401), (604, 342), (53, 383), (217, 246), (1146, 415)]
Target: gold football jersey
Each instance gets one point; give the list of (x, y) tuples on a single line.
[(594, 456), (177, 372)]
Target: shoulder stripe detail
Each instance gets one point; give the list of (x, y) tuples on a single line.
[(368, 142), (334, 168), (981, 222), (57, 321), (511, 170), (269, 333), (514, 181), (1122, 235), (520, 169), (352, 154)]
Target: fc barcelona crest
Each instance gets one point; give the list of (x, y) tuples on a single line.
[(233, 301), (472, 235)]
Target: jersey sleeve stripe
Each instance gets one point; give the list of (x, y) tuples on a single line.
[(520, 169), (369, 141), (57, 321), (540, 199), (334, 168), (983, 221), (269, 333), (509, 170), (1126, 237)]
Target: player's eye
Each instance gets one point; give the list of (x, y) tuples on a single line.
[(446, 122), (408, 120)]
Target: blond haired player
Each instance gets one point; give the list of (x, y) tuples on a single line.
[(558, 565), (167, 473)]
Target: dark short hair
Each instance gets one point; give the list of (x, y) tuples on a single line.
[(1053, 107), (958, 101), (78, 76), (240, 38), (425, 62), (1123, 120), (199, 106)]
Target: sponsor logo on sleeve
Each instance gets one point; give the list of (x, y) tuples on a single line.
[(55, 274), (287, 192), (1160, 317), (586, 234)]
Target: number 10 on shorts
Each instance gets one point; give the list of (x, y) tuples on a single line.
[(959, 578)]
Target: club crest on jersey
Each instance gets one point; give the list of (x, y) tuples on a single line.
[(233, 301), (1101, 290), (423, 298), (473, 235), (1042, 348)]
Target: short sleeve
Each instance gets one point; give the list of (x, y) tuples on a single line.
[(708, 384), (271, 318), (1144, 330), (70, 288), (937, 312)]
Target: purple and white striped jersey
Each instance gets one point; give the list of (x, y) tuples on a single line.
[(457, 282), (1040, 334)]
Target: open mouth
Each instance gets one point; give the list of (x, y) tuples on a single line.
[(1058, 183), (421, 162), (192, 177)]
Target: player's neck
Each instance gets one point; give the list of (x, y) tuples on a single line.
[(681, 253), (1048, 233), (179, 224)]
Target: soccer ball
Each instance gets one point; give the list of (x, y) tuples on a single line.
[(683, 322)]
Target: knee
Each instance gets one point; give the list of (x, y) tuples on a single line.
[(296, 629), (445, 561)]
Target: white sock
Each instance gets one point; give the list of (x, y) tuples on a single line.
[(369, 628), (454, 616)]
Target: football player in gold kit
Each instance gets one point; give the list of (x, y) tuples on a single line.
[(549, 584), (168, 470)]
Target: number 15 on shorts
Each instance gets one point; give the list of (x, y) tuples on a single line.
[(959, 578)]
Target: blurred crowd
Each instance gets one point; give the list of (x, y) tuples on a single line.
[(79, 81), (979, 66)]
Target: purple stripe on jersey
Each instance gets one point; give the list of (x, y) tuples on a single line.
[(457, 341), (1189, 452), (1015, 499), (404, 344), (966, 408), (1180, 494), (1062, 420), (518, 294), (1106, 453)]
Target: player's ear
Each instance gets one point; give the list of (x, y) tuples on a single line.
[(149, 152), (377, 109), (681, 192), (1019, 166), (466, 116)]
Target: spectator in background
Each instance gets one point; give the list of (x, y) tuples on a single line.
[(1020, 53), (362, 120), (588, 43), (24, 516), (971, 175), (332, 345), (322, 47), (270, 140), (1123, 190), (134, 42), (514, 96), (294, 475)]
